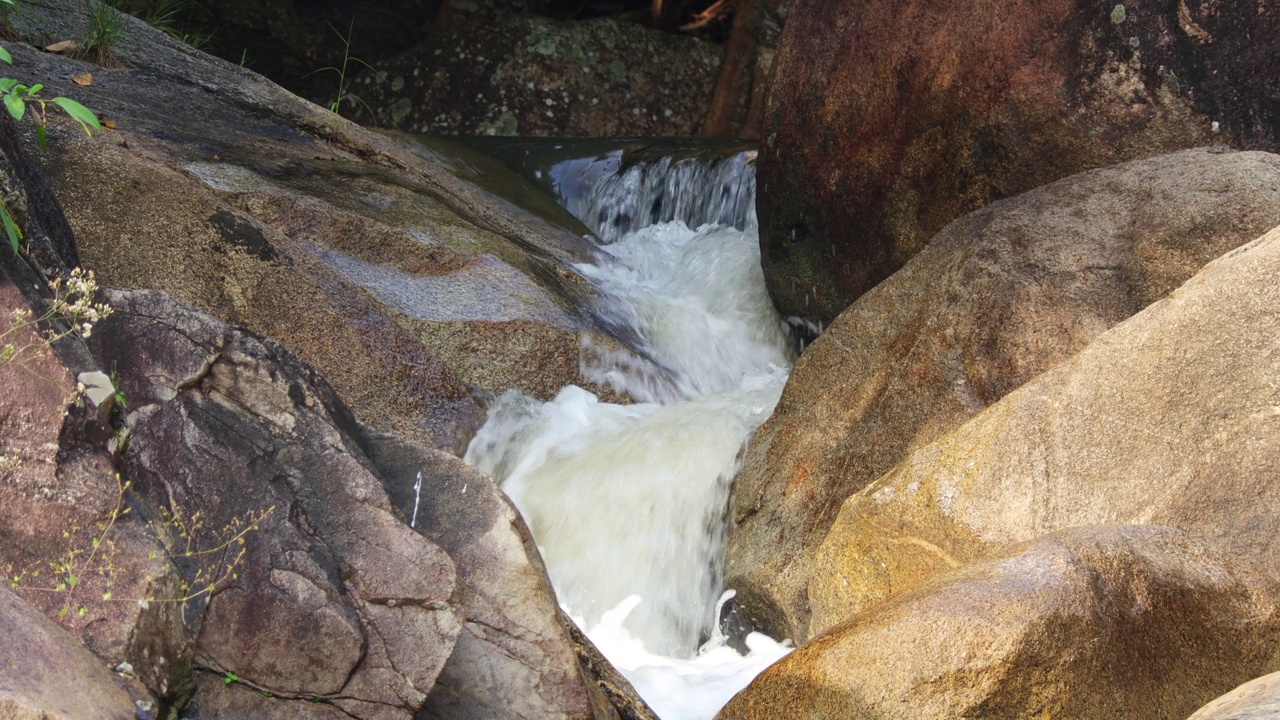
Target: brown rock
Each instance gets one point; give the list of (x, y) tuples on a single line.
[(1000, 296), (517, 656), (64, 512), (330, 595), (1257, 699), (1094, 622), (46, 674), (1170, 418), (887, 121)]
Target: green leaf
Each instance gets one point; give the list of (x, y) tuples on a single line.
[(16, 107), (5, 56), (6, 84), (41, 138), (79, 113), (11, 229), (35, 89)]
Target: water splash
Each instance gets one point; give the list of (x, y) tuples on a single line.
[(683, 688)]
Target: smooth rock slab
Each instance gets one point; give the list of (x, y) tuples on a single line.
[(1100, 622), (1170, 418), (46, 674)]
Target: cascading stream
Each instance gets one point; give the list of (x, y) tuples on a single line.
[(627, 502)]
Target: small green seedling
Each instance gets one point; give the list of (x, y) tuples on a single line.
[(17, 96)]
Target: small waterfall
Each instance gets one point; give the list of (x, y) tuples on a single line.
[(643, 193), (627, 502)]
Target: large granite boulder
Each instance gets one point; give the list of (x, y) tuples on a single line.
[(1170, 418), (999, 297), (526, 75), (884, 122), (1120, 622), (315, 586), (336, 595), (393, 267)]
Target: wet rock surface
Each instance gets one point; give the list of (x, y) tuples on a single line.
[(1091, 622), (369, 254), (526, 75), (1000, 296), (878, 134)]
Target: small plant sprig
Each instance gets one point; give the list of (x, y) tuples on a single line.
[(98, 557), (103, 31), (17, 96), (217, 563), (215, 566), (73, 308), (72, 311), (172, 17), (335, 107)]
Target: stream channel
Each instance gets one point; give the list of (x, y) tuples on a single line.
[(627, 502)]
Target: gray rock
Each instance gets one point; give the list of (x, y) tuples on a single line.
[(517, 655), (372, 256), (330, 595)]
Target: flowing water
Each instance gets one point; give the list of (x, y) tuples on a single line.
[(627, 502)]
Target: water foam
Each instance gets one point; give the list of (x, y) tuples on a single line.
[(627, 502)]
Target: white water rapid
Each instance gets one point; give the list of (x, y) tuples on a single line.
[(627, 502)]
